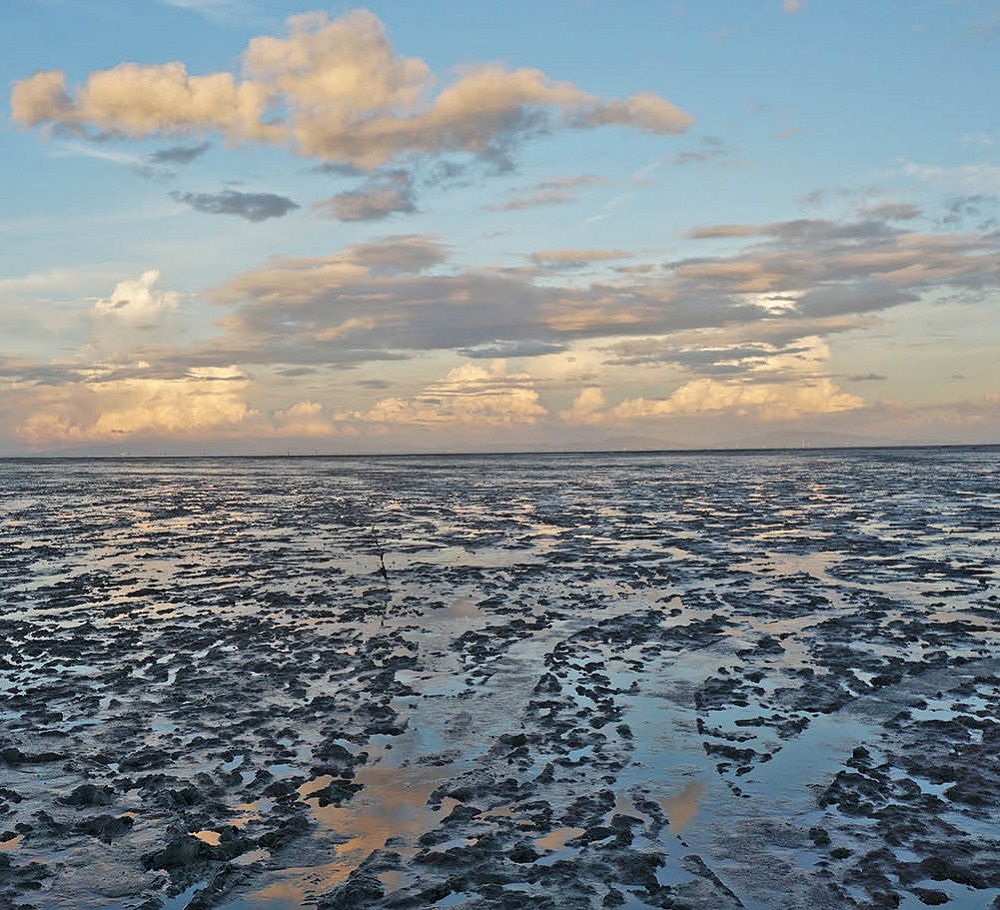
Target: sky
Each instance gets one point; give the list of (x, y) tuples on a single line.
[(269, 227)]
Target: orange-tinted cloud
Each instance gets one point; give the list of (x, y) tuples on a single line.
[(337, 90), (206, 400)]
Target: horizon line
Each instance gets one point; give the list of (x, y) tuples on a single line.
[(514, 453)]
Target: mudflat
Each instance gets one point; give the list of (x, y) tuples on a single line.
[(709, 680)]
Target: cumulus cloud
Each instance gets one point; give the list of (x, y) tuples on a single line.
[(251, 206), (379, 197), (765, 401), (776, 385), (470, 395), (767, 382), (739, 333), (303, 419), (135, 302), (588, 408), (336, 90), (118, 409), (133, 100)]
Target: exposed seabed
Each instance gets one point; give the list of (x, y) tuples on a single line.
[(610, 684)]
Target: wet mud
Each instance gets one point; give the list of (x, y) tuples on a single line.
[(704, 681)]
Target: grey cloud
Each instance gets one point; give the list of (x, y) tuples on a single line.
[(312, 309), (399, 254), (42, 375), (379, 197), (179, 154), (575, 259), (445, 173), (512, 129), (526, 348), (732, 359), (858, 297), (251, 206), (339, 169), (810, 231), (802, 231), (802, 254), (644, 268), (465, 311), (706, 361), (866, 377), (963, 209), (892, 211), (296, 372), (392, 298)]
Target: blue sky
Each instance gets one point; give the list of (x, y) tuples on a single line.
[(248, 226)]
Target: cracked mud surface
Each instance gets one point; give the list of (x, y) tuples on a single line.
[(698, 681)]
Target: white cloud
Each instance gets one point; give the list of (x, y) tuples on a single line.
[(135, 302)]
